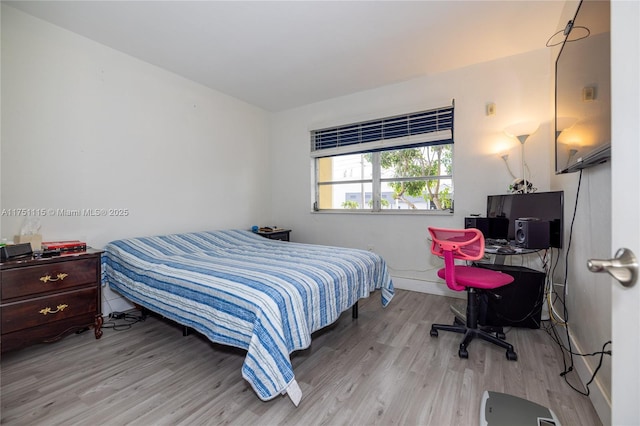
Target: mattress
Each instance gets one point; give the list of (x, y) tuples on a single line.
[(240, 289)]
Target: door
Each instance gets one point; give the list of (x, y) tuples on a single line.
[(625, 218)]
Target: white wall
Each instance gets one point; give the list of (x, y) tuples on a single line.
[(588, 294), (519, 88), (84, 126)]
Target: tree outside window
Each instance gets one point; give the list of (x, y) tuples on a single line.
[(401, 162)]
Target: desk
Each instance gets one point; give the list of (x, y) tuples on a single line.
[(500, 251), (518, 304)]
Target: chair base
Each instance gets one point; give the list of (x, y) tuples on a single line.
[(488, 334), (461, 319)]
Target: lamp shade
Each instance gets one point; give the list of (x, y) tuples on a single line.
[(564, 123), (522, 131)]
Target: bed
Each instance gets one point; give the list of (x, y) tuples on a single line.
[(243, 290)]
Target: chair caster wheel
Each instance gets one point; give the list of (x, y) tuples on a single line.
[(462, 353), (512, 356), (433, 333)]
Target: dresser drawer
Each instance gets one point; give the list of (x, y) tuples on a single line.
[(46, 333), (43, 310), (33, 280)]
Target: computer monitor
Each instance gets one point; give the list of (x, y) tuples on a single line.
[(545, 206)]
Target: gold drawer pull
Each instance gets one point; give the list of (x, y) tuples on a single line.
[(47, 278), (48, 310)]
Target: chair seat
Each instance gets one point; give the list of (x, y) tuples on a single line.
[(470, 276)]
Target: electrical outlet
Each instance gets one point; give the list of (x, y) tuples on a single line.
[(490, 109)]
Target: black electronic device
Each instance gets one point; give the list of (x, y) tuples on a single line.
[(51, 253), (518, 304), (491, 227), (545, 206), (583, 90), (532, 233), (16, 251), (480, 223)]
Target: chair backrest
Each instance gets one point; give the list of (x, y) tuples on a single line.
[(465, 244), (451, 244)]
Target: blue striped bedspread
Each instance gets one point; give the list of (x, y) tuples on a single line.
[(243, 290)]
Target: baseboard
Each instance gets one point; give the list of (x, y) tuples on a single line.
[(601, 402), (118, 304), (424, 286)]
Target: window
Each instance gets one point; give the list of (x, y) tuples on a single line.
[(395, 163)]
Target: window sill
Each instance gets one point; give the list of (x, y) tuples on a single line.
[(403, 212)]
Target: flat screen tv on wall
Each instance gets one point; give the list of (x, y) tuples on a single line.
[(583, 90)]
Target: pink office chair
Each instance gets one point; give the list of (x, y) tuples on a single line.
[(468, 245)]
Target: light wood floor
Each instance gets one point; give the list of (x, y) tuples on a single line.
[(382, 368)]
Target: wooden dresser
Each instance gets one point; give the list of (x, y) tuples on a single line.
[(42, 300)]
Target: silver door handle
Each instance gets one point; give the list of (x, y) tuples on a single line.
[(623, 268)]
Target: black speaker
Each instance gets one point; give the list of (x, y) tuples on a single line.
[(518, 304), (532, 234), (480, 223), (491, 227)]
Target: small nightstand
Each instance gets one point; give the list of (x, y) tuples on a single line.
[(44, 299), (278, 234)]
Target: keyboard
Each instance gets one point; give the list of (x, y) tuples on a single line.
[(495, 242)]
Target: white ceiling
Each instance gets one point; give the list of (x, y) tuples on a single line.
[(283, 54)]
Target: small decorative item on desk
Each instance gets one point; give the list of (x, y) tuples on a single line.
[(519, 186)]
